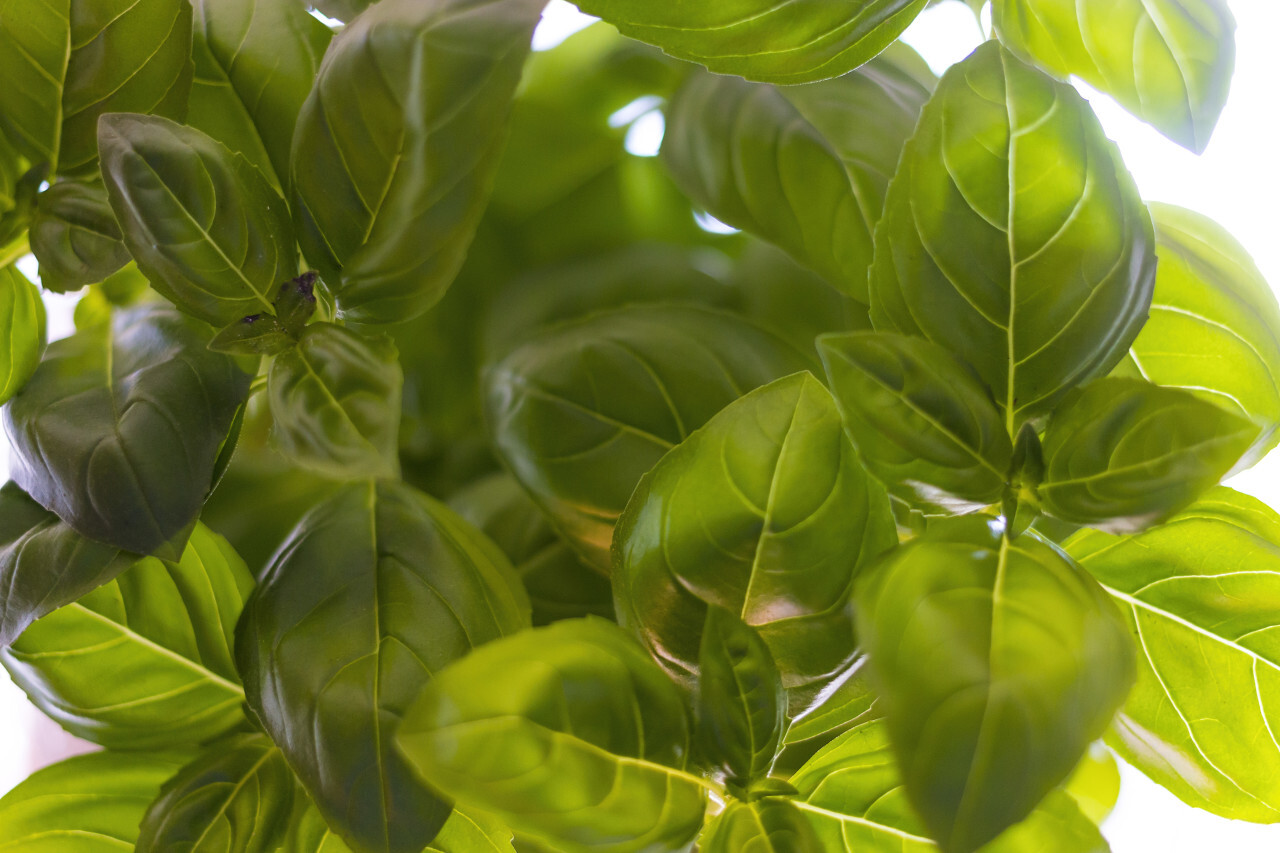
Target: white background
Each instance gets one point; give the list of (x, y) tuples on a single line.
[(1236, 181)]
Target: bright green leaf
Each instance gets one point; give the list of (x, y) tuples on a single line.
[(1095, 783), (849, 702), (772, 825), (468, 831), (75, 237), (22, 331)]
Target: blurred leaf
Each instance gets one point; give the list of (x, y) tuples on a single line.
[(771, 825), (1095, 783), (22, 331), (75, 237)]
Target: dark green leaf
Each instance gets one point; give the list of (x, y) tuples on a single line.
[(145, 661), (805, 167), (296, 303), (257, 334), (1123, 454), (766, 826), (119, 429), (998, 662), (75, 237), (569, 734), (204, 225), (87, 804), (1169, 62), (1013, 235), (255, 61), (585, 408), (22, 330), (468, 831), (375, 592), (766, 512), (788, 42), (397, 145), (66, 62), (1200, 595), (1215, 325), (923, 423), (233, 798), (335, 398)]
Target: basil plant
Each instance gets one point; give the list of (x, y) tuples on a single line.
[(422, 476)]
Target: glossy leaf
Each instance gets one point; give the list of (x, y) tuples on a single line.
[(797, 165), (335, 398), (67, 62), (86, 804), (847, 702), (766, 512), (1169, 62), (773, 825), (1013, 236), (119, 429), (569, 733), (396, 147), (787, 42), (1215, 325), (582, 410), (998, 662), (75, 237), (234, 798), (144, 661), (1123, 454), (412, 587), (22, 331), (1200, 594), (202, 222), (468, 831), (255, 61), (922, 421)]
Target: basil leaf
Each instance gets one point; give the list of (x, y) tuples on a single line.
[(234, 797), (741, 707), (569, 733), (774, 825), (1123, 454), (67, 62), (787, 42), (922, 421), (22, 330), (1013, 236), (255, 61), (75, 237), (1095, 783), (581, 411), (413, 587), (468, 831), (396, 147), (1200, 595), (343, 10), (335, 398), (1215, 325), (162, 635), (1169, 62), (848, 702), (979, 636), (93, 802), (119, 429), (203, 224), (766, 512), (798, 165)]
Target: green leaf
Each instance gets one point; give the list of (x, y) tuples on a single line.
[(848, 702), (234, 798), (1123, 454), (119, 429), (766, 512), (1215, 325), (335, 399), (569, 733), (787, 42), (87, 804), (1095, 783), (396, 147), (997, 662), (922, 421), (582, 410), (75, 237), (378, 588), (805, 167), (1200, 595), (257, 334), (22, 331), (1013, 236), (69, 61), (144, 661), (468, 831), (741, 707), (767, 826), (1169, 62), (343, 10), (255, 61), (204, 225)]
